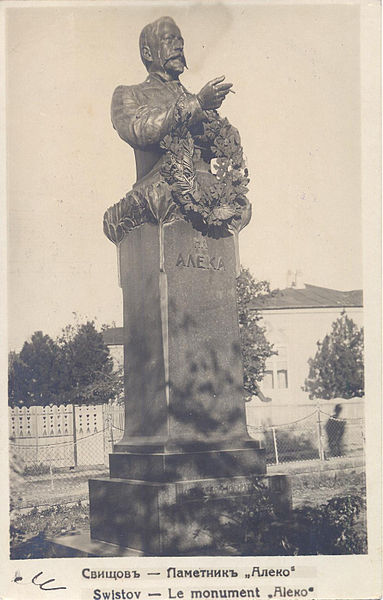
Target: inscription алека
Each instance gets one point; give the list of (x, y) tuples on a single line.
[(200, 261)]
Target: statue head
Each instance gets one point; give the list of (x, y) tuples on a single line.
[(161, 48)]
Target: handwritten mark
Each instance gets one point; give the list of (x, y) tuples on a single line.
[(19, 579)]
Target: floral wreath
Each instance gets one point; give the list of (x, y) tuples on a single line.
[(216, 204)]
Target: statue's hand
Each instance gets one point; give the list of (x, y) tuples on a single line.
[(213, 93)]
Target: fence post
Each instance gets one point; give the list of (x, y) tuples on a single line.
[(320, 443), (275, 446), (74, 436), (104, 427), (36, 433), (108, 429), (51, 474), (111, 427), (363, 440)]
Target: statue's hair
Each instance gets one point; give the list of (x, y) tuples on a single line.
[(149, 34)]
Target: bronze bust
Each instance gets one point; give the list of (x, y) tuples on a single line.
[(175, 136), (143, 114)]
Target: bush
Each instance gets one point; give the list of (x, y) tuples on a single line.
[(252, 529), (38, 469), (29, 531), (290, 446)]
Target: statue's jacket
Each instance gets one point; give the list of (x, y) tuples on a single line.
[(143, 114)]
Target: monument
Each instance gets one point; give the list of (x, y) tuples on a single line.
[(185, 447)]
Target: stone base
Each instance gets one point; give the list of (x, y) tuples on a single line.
[(81, 545), (159, 518), (197, 464)]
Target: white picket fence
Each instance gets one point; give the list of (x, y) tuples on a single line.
[(65, 435)]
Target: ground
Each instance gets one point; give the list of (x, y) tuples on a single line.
[(58, 504)]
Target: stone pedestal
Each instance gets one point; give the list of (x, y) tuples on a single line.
[(170, 518), (185, 448), (182, 354)]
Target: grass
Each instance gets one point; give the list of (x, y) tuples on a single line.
[(30, 528)]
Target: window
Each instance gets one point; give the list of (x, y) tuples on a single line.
[(268, 380), (276, 376), (282, 379)]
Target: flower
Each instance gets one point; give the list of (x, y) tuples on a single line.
[(214, 205)]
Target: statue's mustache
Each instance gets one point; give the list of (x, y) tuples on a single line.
[(179, 55)]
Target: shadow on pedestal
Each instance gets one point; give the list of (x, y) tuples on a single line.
[(159, 503)]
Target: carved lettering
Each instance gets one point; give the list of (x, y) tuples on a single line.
[(180, 261), (201, 261), (192, 492), (200, 244), (190, 262)]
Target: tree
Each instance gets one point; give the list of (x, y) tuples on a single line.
[(85, 361), (34, 374), (74, 368), (337, 369), (254, 345)]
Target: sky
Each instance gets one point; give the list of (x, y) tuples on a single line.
[(295, 70)]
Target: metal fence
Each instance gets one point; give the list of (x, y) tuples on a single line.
[(318, 435), (49, 438)]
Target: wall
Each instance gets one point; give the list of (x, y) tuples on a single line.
[(297, 331)]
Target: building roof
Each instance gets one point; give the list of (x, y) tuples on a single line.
[(310, 296)]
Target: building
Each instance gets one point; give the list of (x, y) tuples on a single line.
[(296, 318)]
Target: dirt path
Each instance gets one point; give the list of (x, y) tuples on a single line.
[(58, 489), (312, 483)]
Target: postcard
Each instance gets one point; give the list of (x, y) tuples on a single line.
[(191, 300)]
